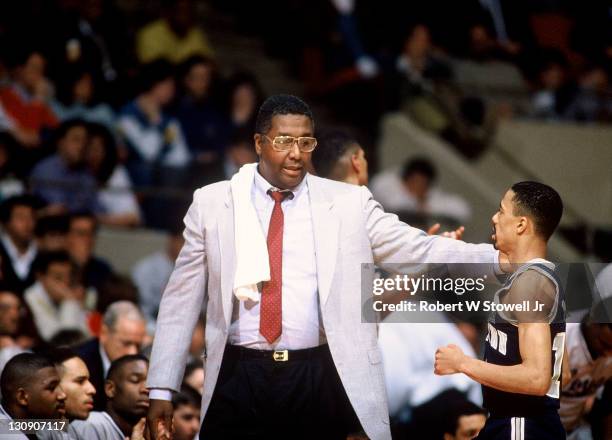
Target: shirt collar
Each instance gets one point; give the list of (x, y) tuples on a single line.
[(12, 251), (105, 360), (262, 185)]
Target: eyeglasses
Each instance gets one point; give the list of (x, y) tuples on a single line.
[(285, 143)]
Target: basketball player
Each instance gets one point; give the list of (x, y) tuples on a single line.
[(521, 373)]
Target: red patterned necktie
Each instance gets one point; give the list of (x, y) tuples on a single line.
[(270, 312)]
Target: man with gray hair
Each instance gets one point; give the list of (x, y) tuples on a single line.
[(123, 332)]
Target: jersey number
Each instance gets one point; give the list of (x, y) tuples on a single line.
[(497, 339), (558, 348)]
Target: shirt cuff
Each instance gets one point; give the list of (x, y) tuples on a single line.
[(160, 394)]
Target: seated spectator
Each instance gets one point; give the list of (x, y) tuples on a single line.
[(25, 98), (30, 387), (340, 157), (585, 400), (186, 416), (123, 332), (412, 190), (17, 245), (74, 381), (158, 153), (10, 308), (483, 46), (194, 375), (553, 90), (240, 151), (127, 402), (593, 101), (62, 179), (151, 275), (174, 37), (456, 418), (55, 299), (51, 231), (116, 198), (10, 182), (245, 98), (80, 244), (77, 98)]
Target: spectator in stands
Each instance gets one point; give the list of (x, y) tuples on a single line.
[(463, 420), (51, 231), (26, 98), (186, 417), (194, 375), (340, 157), (151, 275), (30, 389), (554, 92), (245, 98), (174, 37), (77, 98), (80, 244), (240, 151), (123, 332), (56, 300), (62, 179), (593, 101), (10, 307), (17, 246), (483, 46), (116, 198), (585, 399), (205, 125), (127, 402), (412, 191), (10, 182), (158, 152)]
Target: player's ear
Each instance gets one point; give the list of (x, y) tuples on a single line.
[(522, 224), (355, 162), (22, 397), (109, 389)]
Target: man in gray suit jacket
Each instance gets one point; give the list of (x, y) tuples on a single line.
[(306, 367)]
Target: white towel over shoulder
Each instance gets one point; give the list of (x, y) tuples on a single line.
[(252, 260)]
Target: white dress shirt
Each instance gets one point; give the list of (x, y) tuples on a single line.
[(21, 262), (300, 312)]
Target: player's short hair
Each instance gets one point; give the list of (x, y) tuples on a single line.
[(118, 364), (21, 371), (539, 202), (456, 410), (280, 105), (419, 165), (333, 145), (187, 396)]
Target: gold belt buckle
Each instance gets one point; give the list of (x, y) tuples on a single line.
[(281, 356)]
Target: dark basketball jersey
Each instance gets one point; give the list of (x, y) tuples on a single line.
[(502, 348)]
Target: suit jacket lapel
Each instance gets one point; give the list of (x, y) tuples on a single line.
[(325, 225), (227, 250)]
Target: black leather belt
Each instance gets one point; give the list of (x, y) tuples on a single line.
[(237, 351)]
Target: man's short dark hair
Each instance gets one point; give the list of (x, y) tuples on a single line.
[(80, 215), (456, 410), (332, 146), (539, 202), (59, 355), (46, 259), (20, 371), (192, 366), (154, 73), (51, 224), (419, 165), (7, 206), (66, 126), (187, 396), (280, 105), (117, 365)]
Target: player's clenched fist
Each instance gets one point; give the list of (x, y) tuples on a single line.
[(448, 360)]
